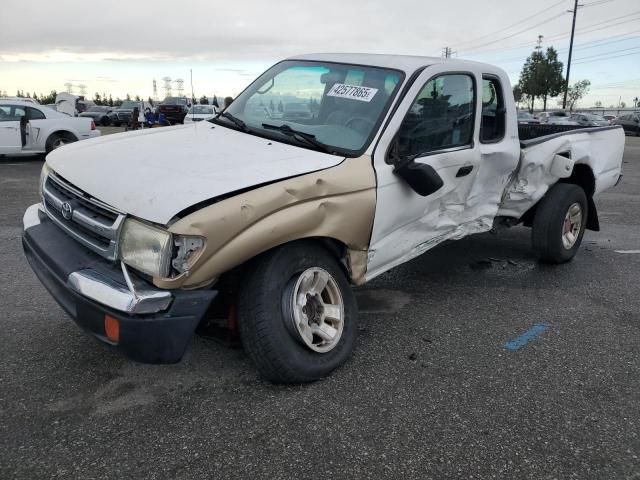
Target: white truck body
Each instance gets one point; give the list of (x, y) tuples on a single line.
[(280, 210), (43, 126)]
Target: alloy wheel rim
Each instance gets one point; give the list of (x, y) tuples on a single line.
[(572, 226), (317, 310)]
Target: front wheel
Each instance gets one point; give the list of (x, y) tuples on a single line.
[(559, 223), (297, 314)]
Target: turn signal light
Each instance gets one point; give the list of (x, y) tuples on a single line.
[(112, 328), (93, 125)]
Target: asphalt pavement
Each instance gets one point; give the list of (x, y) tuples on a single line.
[(473, 361)]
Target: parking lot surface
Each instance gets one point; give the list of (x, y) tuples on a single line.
[(473, 361)]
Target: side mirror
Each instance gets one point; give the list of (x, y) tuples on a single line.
[(422, 178)]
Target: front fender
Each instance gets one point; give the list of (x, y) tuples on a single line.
[(337, 203)]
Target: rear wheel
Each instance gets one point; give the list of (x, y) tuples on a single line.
[(297, 314), (58, 140), (559, 223), (105, 121)]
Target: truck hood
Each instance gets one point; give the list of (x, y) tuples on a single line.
[(154, 174)]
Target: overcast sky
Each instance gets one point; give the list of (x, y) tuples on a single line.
[(120, 46)]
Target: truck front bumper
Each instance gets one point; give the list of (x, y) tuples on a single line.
[(152, 325)]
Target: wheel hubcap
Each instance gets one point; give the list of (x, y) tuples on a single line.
[(317, 310), (572, 226)]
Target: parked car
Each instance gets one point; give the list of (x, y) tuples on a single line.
[(20, 99), (264, 224), (610, 118), (122, 115), (174, 109), (589, 120), (556, 118), (99, 114), (198, 113), (525, 118), (28, 128), (630, 122)]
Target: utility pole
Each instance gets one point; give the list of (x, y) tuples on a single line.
[(573, 31), (446, 52)]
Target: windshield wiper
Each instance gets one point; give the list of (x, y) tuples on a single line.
[(307, 137), (239, 123)]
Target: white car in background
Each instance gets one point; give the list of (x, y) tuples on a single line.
[(197, 113), (42, 129)]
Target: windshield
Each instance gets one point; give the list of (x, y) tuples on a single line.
[(201, 110), (96, 109), (524, 115), (175, 101), (128, 105), (594, 118), (338, 105)]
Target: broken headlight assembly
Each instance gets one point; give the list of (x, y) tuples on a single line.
[(157, 252)]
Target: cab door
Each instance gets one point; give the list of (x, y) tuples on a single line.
[(10, 141), (455, 122)]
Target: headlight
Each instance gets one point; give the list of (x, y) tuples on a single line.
[(146, 248), (154, 251), (43, 176)]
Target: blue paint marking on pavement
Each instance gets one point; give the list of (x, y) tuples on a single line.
[(526, 337)]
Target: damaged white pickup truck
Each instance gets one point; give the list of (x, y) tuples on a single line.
[(326, 171)]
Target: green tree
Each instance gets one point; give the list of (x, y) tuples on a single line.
[(517, 94), (97, 99), (541, 76), (551, 78), (576, 92), (110, 101), (204, 100), (138, 98), (215, 102), (598, 104)]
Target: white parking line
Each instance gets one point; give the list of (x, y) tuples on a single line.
[(627, 251)]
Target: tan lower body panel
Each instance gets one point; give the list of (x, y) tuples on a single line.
[(337, 203)]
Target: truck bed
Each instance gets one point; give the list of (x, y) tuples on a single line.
[(534, 131), (595, 151)]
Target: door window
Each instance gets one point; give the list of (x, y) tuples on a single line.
[(492, 127), (11, 113), (441, 117)]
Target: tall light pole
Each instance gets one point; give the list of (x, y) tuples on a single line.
[(573, 31)]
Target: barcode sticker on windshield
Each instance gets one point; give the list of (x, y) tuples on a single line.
[(364, 94)]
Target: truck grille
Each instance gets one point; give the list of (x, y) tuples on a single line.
[(86, 219)]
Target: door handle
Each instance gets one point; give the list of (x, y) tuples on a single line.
[(464, 171)]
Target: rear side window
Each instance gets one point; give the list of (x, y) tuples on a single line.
[(34, 114), (440, 118), (492, 127)]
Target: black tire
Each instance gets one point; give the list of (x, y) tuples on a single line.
[(117, 124), (56, 140), (549, 222), (266, 327), (105, 121)]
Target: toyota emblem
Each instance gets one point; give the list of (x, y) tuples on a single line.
[(67, 211)]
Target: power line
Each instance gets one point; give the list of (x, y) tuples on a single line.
[(608, 58), (546, 20), (524, 20), (585, 29), (605, 54)]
